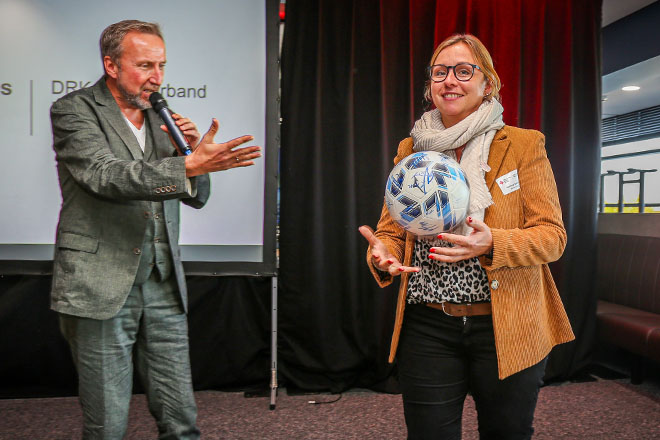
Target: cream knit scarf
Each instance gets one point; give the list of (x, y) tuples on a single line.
[(477, 131)]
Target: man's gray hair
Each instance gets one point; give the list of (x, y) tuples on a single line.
[(113, 35)]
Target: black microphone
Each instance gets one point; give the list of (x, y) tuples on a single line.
[(159, 104)]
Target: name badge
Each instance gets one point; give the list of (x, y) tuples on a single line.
[(509, 182)]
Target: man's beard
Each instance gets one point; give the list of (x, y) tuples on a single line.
[(133, 99)]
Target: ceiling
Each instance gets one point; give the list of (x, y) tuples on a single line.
[(646, 74), (616, 9)]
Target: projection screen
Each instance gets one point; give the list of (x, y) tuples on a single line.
[(221, 62)]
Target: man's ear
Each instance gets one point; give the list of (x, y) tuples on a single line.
[(111, 68)]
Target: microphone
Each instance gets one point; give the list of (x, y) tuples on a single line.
[(159, 104)]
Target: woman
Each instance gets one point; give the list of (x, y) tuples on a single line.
[(481, 309)]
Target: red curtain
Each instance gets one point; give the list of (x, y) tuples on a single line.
[(530, 41)]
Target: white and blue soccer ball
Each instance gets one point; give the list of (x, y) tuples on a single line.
[(427, 193)]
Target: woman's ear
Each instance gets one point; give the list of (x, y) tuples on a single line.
[(488, 90)]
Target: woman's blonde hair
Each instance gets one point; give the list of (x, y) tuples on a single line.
[(482, 58)]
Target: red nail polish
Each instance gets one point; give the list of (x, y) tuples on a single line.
[(469, 219), (401, 269), (390, 261), (430, 257), (440, 236)]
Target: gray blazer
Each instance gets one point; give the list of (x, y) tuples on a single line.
[(107, 185)]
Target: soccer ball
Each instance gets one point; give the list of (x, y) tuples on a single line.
[(427, 193)]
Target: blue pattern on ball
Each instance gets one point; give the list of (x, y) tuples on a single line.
[(427, 193)]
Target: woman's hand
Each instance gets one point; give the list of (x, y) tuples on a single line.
[(381, 257), (479, 242)]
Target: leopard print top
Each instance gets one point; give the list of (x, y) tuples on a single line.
[(461, 282)]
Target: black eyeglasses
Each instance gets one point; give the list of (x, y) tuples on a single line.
[(462, 71)]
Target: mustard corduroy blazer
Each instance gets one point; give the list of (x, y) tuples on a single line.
[(528, 315)]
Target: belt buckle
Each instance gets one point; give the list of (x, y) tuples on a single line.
[(443, 309), (468, 309)]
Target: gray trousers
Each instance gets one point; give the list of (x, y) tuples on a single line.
[(151, 325)]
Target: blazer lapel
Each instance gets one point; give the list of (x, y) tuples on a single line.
[(498, 149), (110, 110)]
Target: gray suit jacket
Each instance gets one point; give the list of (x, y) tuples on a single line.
[(107, 185)]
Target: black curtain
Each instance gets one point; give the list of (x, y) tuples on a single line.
[(572, 125), (35, 358), (352, 82), (335, 155), (229, 327)]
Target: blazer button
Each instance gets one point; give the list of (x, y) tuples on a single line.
[(156, 216), (494, 284), (137, 251)]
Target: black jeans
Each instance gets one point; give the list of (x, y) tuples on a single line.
[(441, 358)]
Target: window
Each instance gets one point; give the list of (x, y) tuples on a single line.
[(633, 167)]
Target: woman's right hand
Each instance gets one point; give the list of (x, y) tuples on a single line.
[(381, 257)]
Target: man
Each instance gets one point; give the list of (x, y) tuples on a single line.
[(118, 281)]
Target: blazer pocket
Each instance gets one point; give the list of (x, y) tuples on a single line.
[(70, 240)]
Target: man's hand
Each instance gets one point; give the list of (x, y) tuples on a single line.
[(479, 242), (209, 157), (189, 130), (381, 257)]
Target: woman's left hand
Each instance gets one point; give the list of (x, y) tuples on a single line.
[(479, 242)]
